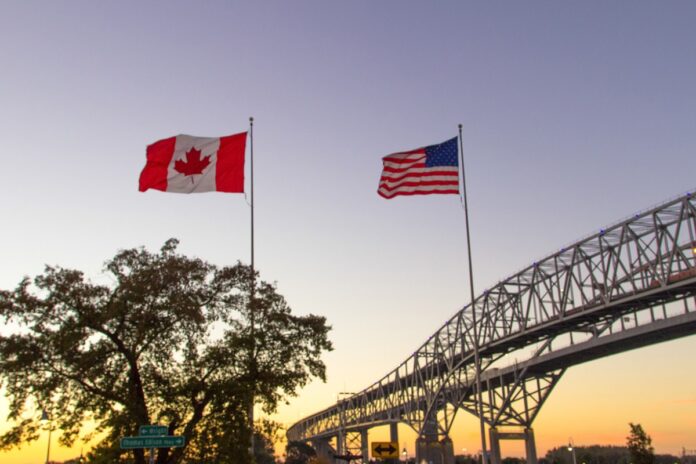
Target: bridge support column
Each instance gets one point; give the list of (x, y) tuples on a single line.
[(353, 442), (447, 450), (529, 444), (341, 442), (364, 445), (324, 450), (394, 436), (432, 450), (495, 456), (394, 432)]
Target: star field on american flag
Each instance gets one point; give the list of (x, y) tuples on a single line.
[(444, 154)]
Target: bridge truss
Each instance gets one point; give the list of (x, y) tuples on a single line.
[(629, 285)]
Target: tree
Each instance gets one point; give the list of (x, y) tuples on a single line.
[(465, 459), (593, 454), (267, 433), (173, 340), (640, 445), (299, 453)]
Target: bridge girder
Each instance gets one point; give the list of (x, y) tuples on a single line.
[(559, 311)]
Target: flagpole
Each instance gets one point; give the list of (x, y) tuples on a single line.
[(477, 359), (252, 292), (251, 144)]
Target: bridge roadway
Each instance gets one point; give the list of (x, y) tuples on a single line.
[(629, 285)]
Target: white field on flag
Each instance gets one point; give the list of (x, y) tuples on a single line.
[(204, 182), (407, 174)]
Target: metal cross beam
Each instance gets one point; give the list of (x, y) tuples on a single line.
[(595, 297)]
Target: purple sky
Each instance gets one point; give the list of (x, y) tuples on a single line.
[(575, 115)]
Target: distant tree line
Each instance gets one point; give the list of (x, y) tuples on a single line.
[(597, 454), (638, 450)]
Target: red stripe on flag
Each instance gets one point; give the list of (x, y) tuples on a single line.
[(404, 154), (420, 165), (229, 172), (412, 158), (420, 171), (419, 192), (154, 174), (417, 186), (396, 178)]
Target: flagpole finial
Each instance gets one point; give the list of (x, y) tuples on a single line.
[(251, 120), (460, 126)]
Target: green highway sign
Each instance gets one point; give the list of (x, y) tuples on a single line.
[(152, 430), (176, 441)]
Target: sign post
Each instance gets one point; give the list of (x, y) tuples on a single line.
[(152, 431), (152, 442), (153, 436)]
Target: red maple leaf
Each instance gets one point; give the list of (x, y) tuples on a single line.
[(193, 164)]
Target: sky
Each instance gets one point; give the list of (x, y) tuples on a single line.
[(574, 114)]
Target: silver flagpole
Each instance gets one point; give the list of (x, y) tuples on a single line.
[(252, 292), (251, 155), (477, 360)]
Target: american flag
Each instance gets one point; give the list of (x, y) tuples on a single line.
[(428, 170)]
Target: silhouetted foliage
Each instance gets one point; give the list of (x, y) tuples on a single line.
[(594, 454), (173, 340), (298, 452), (465, 459), (597, 454), (267, 433), (640, 445)]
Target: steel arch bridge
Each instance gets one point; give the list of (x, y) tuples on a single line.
[(629, 285)]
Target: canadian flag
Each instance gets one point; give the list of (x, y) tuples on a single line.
[(188, 164)]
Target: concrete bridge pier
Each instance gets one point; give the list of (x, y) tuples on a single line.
[(364, 446), (353, 442), (324, 449), (431, 449), (529, 444), (393, 437), (341, 442)]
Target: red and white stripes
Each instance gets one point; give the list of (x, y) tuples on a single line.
[(407, 174)]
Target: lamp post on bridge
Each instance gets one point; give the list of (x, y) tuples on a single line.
[(341, 439)]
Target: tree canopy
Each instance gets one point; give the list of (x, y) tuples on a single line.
[(299, 452), (639, 445), (172, 340)]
